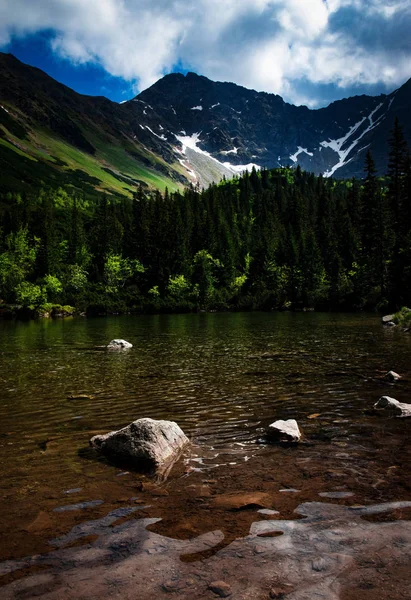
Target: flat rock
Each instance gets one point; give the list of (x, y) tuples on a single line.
[(392, 376), (284, 431), (119, 345), (145, 443), (393, 406), (387, 319)]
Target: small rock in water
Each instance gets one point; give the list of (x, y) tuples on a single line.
[(336, 494), (284, 431), (73, 491), (387, 319), (391, 405), (392, 376), (268, 511), (221, 588), (119, 345), (79, 506)]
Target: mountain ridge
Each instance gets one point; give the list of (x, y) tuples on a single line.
[(184, 129)]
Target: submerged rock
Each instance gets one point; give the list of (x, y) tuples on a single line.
[(392, 376), (146, 443), (220, 588), (391, 405), (284, 431), (119, 345), (242, 500)]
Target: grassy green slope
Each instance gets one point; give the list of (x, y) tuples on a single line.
[(50, 135)]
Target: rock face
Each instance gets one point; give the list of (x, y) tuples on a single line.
[(393, 406), (119, 345), (284, 431), (392, 376), (146, 444)]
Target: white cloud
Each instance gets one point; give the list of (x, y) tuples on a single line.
[(263, 44)]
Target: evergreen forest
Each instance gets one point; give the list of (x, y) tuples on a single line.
[(271, 239)]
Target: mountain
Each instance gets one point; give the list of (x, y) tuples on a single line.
[(51, 135), (237, 126), (183, 129)]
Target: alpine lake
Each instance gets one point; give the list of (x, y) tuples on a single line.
[(236, 517)]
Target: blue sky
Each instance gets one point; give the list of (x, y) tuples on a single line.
[(308, 51)]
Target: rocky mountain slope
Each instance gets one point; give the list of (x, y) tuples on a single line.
[(239, 127), (184, 129)]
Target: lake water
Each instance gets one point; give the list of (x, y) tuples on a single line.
[(222, 377)]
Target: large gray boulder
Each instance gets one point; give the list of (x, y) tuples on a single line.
[(393, 406), (146, 444), (284, 431), (119, 345)]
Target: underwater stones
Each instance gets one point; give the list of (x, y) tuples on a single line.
[(393, 406), (146, 443), (119, 345), (284, 431)]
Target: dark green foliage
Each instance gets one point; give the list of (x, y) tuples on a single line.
[(264, 240)]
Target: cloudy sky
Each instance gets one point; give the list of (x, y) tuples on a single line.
[(308, 51)]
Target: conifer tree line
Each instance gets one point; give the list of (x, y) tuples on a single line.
[(265, 240)]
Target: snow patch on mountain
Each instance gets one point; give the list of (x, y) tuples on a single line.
[(293, 157), (238, 169), (214, 105), (233, 151), (191, 142), (199, 107), (160, 137), (337, 145), (187, 167)]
